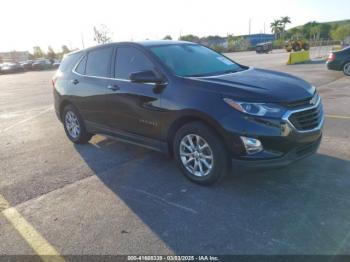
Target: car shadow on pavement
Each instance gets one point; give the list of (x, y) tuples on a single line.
[(300, 209)]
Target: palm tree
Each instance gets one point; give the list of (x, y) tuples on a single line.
[(295, 33), (284, 20), (276, 28)]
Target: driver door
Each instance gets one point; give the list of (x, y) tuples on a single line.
[(134, 107)]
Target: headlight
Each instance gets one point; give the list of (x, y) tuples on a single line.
[(257, 109)]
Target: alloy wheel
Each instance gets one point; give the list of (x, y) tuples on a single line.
[(72, 124), (196, 155), (347, 69)]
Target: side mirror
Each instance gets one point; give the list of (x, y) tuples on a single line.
[(147, 76)]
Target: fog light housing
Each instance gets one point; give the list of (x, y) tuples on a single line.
[(252, 145)]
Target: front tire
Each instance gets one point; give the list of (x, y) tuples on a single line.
[(74, 126), (200, 154), (346, 69)]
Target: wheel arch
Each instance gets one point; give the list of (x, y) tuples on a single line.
[(62, 105), (346, 62), (192, 117)]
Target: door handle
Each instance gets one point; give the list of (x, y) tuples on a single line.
[(75, 81), (113, 87)]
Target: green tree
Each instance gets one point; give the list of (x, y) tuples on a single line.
[(190, 38), (65, 49), (340, 32), (294, 33), (307, 30), (219, 48), (102, 34), (230, 37), (230, 43), (237, 43), (276, 28), (51, 55), (37, 52), (325, 30), (167, 37), (284, 21), (315, 32)]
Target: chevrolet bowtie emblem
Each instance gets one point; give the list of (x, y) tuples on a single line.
[(313, 100)]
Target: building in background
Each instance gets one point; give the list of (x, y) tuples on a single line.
[(14, 56), (255, 39), (252, 40)]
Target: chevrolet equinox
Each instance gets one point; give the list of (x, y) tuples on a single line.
[(207, 111)]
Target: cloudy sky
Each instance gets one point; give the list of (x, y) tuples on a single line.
[(26, 23)]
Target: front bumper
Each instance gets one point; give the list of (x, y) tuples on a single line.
[(297, 153), (282, 142)]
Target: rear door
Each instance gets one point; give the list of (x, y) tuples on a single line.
[(133, 107), (90, 82)]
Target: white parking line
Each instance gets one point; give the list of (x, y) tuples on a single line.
[(27, 119), (11, 114)]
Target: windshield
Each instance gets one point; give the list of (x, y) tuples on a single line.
[(194, 60)]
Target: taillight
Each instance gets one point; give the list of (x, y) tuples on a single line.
[(331, 57)]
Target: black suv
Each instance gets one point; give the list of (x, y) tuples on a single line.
[(189, 101)]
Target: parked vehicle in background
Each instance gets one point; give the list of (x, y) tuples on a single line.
[(41, 64), (8, 68), (339, 61), (189, 101), (26, 65), (263, 48), (56, 64)]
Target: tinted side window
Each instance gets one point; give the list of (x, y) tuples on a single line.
[(69, 61), (81, 67), (98, 62), (130, 60)]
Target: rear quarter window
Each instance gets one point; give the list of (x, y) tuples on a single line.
[(81, 66), (98, 62), (69, 62)]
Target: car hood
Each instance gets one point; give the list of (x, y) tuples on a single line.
[(258, 85)]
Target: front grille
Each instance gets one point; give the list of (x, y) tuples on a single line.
[(307, 119)]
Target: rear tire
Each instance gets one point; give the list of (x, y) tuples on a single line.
[(205, 162), (346, 69), (74, 126)]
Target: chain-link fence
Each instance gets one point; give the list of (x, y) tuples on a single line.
[(321, 49)]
